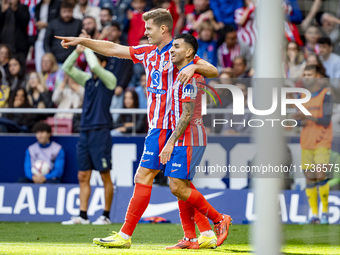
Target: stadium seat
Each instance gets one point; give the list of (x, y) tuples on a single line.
[(60, 126)]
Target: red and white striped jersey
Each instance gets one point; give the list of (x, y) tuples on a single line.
[(195, 133), (160, 76), (247, 32), (31, 28)]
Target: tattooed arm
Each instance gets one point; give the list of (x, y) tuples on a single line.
[(184, 120)]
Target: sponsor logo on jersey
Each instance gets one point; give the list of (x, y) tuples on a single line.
[(148, 153), (156, 79), (156, 91), (176, 165), (190, 91)]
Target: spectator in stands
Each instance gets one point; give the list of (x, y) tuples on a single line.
[(313, 59), (312, 36), (17, 76), (105, 17), (68, 95), (207, 44), (135, 29), (293, 17), (50, 71), (125, 123), (245, 21), (14, 18), (314, 9), (37, 92), (4, 90), (47, 151), (121, 68), (202, 12), (330, 61), (17, 122), (5, 55), (45, 12), (141, 92), (119, 10), (224, 11), (94, 147), (230, 49), (64, 25), (237, 127), (294, 61), (240, 68), (83, 9), (329, 27)]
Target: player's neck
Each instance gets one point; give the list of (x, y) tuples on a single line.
[(184, 63), (166, 40)]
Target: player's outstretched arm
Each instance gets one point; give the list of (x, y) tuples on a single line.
[(183, 122), (202, 67), (102, 47)]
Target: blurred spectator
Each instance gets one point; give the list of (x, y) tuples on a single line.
[(125, 123), (4, 91), (50, 71), (14, 18), (141, 92), (17, 76), (245, 21), (294, 61), (65, 25), (68, 95), (313, 59), (230, 49), (83, 9), (330, 61), (207, 44), (329, 27), (312, 36), (294, 17), (174, 7), (17, 122), (240, 68), (5, 55), (37, 92), (238, 124), (224, 11), (45, 12), (105, 17), (119, 10), (136, 27), (202, 12), (43, 151), (121, 68)]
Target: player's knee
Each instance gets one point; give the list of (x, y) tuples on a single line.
[(175, 189), (145, 176), (83, 176)]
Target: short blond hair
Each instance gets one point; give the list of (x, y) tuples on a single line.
[(160, 17)]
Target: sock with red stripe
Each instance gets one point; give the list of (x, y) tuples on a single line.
[(186, 214), (137, 206), (201, 220), (198, 201)]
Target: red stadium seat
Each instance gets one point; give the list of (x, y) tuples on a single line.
[(60, 126)]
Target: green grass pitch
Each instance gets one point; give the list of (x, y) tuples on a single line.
[(53, 238)]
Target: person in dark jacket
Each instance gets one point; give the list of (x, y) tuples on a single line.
[(65, 25), (14, 18), (45, 12)]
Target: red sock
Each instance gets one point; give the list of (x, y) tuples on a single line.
[(186, 213), (137, 206), (198, 201), (201, 221)]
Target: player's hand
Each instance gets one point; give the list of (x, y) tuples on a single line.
[(80, 49), (67, 41), (118, 91), (165, 155), (38, 178), (185, 75)]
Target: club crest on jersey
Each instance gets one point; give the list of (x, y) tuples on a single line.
[(166, 65), (156, 77), (190, 90)]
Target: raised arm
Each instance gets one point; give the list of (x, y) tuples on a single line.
[(103, 47), (202, 67)]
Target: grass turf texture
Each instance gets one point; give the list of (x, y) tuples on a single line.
[(53, 238)]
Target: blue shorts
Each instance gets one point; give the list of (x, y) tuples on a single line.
[(94, 150), (183, 161), (154, 143)]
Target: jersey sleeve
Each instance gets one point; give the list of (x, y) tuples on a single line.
[(189, 91), (137, 53)]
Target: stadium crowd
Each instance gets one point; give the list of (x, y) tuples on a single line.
[(31, 58)]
